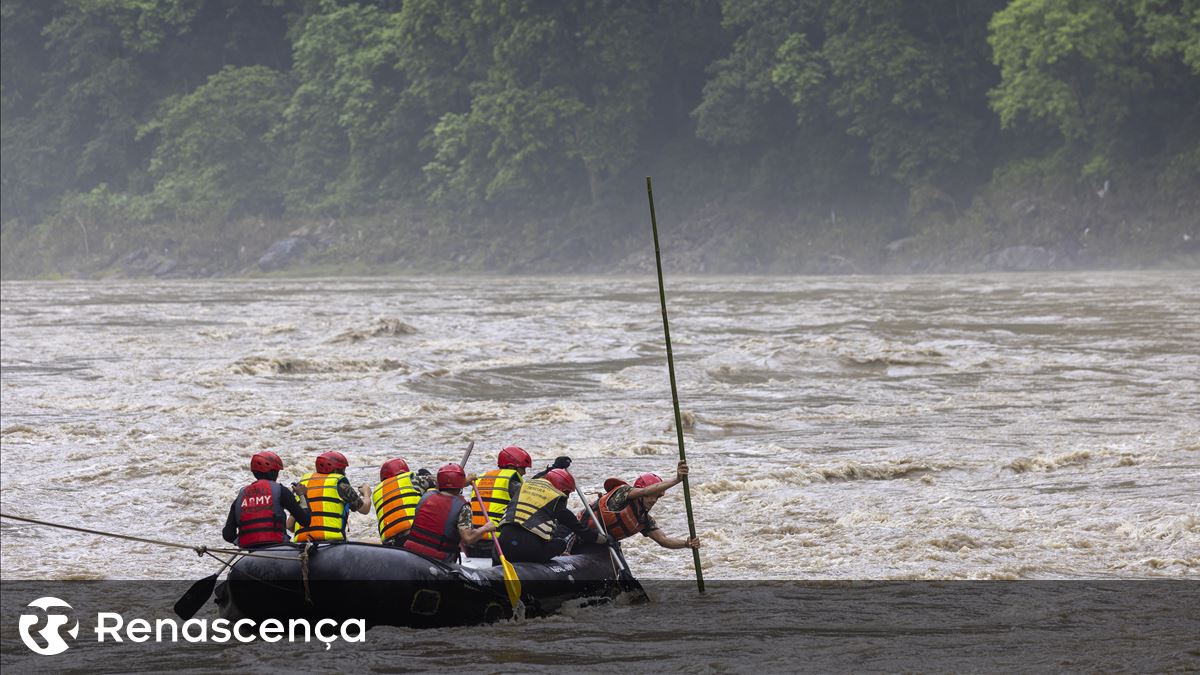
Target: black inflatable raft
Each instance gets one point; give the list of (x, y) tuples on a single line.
[(391, 586)]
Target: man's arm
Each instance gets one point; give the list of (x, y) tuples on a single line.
[(424, 481), (468, 534), (670, 542), (561, 462), (359, 500), (681, 470), (229, 532), (298, 514), (568, 520)]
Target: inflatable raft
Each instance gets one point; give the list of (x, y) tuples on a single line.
[(391, 586)]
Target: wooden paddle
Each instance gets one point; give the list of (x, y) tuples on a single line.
[(196, 596), (512, 583)]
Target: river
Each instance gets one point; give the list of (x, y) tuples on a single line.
[(1031, 427)]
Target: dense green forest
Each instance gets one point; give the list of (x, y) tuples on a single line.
[(188, 136)]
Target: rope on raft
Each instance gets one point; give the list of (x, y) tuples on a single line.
[(199, 550)]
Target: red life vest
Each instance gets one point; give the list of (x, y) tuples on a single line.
[(619, 524), (260, 516), (434, 532)]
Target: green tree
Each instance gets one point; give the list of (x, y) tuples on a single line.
[(1071, 64), (560, 101), (214, 158), (900, 85)]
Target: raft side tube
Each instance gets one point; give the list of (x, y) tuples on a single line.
[(391, 586)]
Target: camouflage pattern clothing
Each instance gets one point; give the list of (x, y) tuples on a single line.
[(620, 499), (348, 494)]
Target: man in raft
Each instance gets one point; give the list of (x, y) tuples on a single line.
[(396, 498), (258, 516), (626, 510), (537, 509), (495, 487), (443, 519), (331, 498)]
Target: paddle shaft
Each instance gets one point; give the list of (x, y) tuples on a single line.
[(600, 525), (195, 596), (510, 574), (662, 299), (496, 532)]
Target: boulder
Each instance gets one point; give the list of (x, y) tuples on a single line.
[(282, 253), (1020, 259), (165, 267)]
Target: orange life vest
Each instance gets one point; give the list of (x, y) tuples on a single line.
[(328, 508), (495, 488), (620, 524), (395, 502)]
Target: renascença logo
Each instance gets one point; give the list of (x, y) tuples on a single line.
[(55, 644), (112, 626)]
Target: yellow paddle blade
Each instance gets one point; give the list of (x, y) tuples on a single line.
[(512, 583)]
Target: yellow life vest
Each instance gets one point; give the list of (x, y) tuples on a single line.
[(495, 487), (395, 502), (328, 508), (535, 507)]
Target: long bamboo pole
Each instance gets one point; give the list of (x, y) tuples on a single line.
[(662, 298)]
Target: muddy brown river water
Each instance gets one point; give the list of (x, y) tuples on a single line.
[(1030, 427)]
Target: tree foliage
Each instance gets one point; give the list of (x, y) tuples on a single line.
[(206, 110)]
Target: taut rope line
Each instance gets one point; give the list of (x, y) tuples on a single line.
[(200, 550)]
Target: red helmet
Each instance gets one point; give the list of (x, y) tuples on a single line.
[(646, 480), (332, 462), (451, 477), (562, 480), (392, 467), (513, 457), (613, 483), (265, 462)]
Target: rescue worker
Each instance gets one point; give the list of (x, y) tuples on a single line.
[(258, 516), (626, 510), (395, 499), (538, 507), (495, 487), (330, 498), (443, 520)]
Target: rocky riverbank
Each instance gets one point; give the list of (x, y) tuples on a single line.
[(1024, 235)]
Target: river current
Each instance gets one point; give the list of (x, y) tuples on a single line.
[(1032, 427)]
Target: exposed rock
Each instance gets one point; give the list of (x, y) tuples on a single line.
[(1024, 207), (1020, 259), (282, 253), (133, 257), (900, 244), (165, 267)]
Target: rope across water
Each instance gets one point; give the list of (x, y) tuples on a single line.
[(199, 550)]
